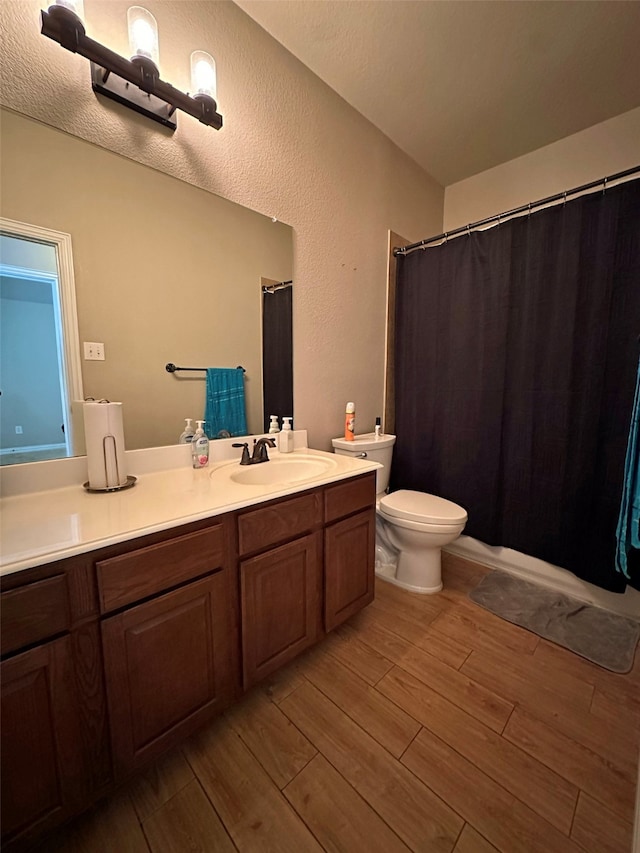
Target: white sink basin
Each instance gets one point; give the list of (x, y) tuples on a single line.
[(282, 471)]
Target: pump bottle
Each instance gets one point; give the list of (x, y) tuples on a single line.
[(200, 448), (285, 439), (186, 437), (273, 426)]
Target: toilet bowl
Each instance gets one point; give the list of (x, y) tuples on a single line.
[(418, 525), (411, 527)]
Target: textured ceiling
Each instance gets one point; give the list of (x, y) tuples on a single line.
[(464, 85)]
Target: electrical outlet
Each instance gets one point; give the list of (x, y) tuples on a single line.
[(18, 430), (93, 351)]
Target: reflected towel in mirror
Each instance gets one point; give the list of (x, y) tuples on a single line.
[(225, 405)]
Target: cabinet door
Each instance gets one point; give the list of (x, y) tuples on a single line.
[(349, 558), (280, 597), (43, 774), (170, 665)]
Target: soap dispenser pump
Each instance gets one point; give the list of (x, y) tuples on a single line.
[(273, 426), (186, 436), (200, 447), (285, 443)]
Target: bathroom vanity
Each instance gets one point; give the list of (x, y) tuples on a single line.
[(117, 651)]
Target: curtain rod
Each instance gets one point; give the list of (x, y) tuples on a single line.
[(271, 288), (525, 208)]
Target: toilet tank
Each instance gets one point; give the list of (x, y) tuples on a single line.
[(375, 449)]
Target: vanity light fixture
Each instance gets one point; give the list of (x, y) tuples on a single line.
[(135, 83)]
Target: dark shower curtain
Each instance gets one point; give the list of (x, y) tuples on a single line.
[(277, 353), (516, 351)]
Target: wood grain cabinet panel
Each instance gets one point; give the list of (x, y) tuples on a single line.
[(144, 572), (170, 665), (43, 772), (280, 593), (349, 497), (34, 612), (261, 528), (349, 557)]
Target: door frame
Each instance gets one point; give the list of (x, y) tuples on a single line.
[(65, 310)]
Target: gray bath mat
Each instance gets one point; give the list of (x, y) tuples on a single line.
[(602, 637)]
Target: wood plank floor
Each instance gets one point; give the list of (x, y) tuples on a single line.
[(424, 723)]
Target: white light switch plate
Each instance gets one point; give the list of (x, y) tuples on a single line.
[(93, 351)]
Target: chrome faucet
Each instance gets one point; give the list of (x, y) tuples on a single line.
[(259, 451)]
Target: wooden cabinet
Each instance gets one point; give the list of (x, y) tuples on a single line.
[(349, 548), (292, 594), (170, 650), (280, 592), (169, 667), (149, 631), (43, 775)]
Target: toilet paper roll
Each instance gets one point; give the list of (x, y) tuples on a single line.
[(104, 438)]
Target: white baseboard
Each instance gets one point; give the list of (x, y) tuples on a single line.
[(546, 574)]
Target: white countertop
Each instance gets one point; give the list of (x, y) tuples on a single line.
[(53, 523)]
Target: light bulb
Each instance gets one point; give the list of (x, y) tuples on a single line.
[(75, 6), (203, 74), (143, 34)]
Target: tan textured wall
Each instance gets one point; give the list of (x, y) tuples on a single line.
[(604, 149), (290, 148)]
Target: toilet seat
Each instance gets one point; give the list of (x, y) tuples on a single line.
[(421, 508)]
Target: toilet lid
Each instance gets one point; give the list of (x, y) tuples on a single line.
[(418, 506)]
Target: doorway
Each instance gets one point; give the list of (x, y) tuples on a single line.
[(39, 358)]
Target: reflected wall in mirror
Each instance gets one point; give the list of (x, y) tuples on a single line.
[(164, 272)]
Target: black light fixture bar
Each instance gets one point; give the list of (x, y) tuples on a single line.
[(112, 75)]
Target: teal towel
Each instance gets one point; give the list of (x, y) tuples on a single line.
[(224, 412), (628, 530)]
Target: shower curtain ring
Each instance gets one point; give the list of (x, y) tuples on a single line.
[(468, 230), (564, 198), (604, 186)]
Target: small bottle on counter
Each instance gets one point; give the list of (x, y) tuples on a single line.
[(200, 448), (378, 429), (350, 422), (273, 426), (186, 436), (285, 439)]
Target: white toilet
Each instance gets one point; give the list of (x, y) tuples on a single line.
[(411, 527)]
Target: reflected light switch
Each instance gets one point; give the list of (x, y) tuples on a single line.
[(93, 351)]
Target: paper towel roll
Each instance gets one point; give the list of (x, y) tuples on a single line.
[(104, 438)]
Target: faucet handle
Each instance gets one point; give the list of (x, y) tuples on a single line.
[(246, 459)]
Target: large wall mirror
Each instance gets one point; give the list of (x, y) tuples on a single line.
[(164, 273)]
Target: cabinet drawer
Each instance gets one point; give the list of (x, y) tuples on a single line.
[(269, 525), (131, 577), (349, 496), (34, 612)]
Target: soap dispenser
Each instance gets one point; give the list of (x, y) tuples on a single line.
[(200, 448), (273, 426), (285, 443), (186, 436)]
